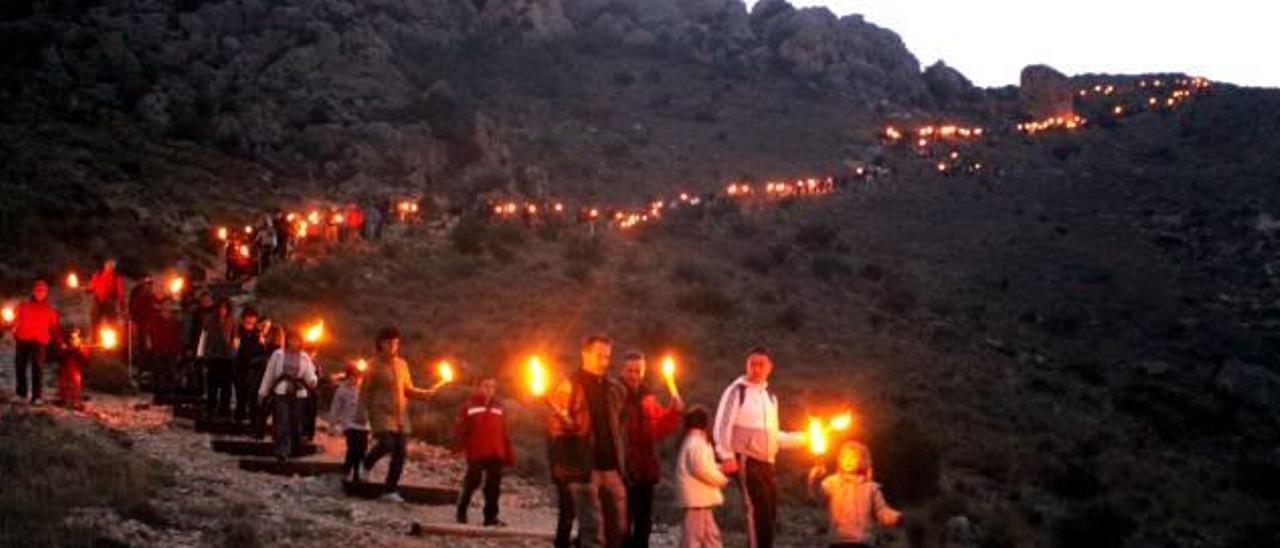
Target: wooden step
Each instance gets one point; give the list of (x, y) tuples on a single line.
[(476, 531), (255, 448), (291, 467), (431, 496)]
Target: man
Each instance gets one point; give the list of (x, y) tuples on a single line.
[(385, 394), (250, 363), (587, 447), (646, 423), (143, 308), (35, 325), (165, 351), (747, 433), (107, 288)]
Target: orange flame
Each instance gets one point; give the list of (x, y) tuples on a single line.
[(445, 371), (314, 333), (817, 437), (538, 377), (73, 281), (8, 314), (108, 337), (176, 284)]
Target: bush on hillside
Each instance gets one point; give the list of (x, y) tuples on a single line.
[(829, 269), (1100, 525), (908, 462), (817, 237), (706, 301)]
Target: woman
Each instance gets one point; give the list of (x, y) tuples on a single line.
[(289, 378)]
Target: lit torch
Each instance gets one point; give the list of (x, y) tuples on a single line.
[(817, 438), (108, 338), (315, 333), (842, 422), (73, 281), (362, 365), (538, 378), (669, 374), (176, 284), (8, 315), (445, 371), (222, 233)]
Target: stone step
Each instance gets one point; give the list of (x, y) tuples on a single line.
[(254, 448), (291, 467)]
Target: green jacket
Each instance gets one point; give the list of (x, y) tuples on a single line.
[(385, 394)]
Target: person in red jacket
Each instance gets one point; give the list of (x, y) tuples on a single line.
[(71, 365), (646, 422), (167, 345), (482, 433), (35, 325), (107, 287)]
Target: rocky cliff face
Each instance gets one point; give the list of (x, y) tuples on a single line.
[(1045, 92), (341, 85)]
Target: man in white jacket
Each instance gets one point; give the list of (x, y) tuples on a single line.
[(747, 432)]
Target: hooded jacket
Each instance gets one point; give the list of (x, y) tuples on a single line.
[(747, 423), (481, 430)]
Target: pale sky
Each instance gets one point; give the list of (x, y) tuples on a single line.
[(1236, 41)]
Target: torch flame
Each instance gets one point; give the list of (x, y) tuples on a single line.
[(842, 421), (7, 314), (222, 233), (817, 437), (669, 368), (362, 365), (73, 281), (108, 337), (538, 380), (445, 371), (176, 284), (314, 333)]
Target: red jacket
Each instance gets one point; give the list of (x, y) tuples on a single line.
[(481, 431), (646, 423), (166, 337), (107, 287), (36, 322)]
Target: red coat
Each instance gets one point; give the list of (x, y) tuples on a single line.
[(481, 431), (647, 423), (36, 322), (107, 287), (166, 337)]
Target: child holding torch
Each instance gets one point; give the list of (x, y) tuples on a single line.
[(855, 503), (347, 415)]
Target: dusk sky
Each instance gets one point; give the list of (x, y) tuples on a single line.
[(991, 40)]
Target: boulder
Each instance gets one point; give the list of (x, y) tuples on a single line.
[(1045, 92), (948, 86)]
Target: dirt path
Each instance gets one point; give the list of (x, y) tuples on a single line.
[(211, 502)]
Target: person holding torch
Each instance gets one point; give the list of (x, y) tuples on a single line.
[(384, 396), (747, 432), (35, 324), (587, 451), (646, 423)]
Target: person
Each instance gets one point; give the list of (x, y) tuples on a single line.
[(355, 221), (214, 349), (74, 358), (646, 423), (372, 222), (587, 448), (855, 504), (699, 479), (481, 430), (164, 335), (273, 340), (201, 306), (265, 240), (249, 364), (565, 512), (348, 416), (107, 287), (748, 433), (282, 229), (384, 395), (288, 379), (35, 325), (142, 309)]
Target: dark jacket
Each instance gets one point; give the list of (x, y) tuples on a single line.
[(481, 431), (646, 423), (572, 434)]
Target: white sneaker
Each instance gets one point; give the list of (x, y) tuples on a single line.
[(392, 497)]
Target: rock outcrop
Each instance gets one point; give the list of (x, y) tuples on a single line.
[(948, 86), (1045, 92)]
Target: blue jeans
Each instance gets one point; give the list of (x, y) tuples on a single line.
[(288, 425)]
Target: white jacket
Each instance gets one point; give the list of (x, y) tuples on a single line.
[(698, 478), (747, 423), (275, 371)]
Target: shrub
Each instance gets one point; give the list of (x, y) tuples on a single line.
[(817, 237), (829, 269), (689, 273), (1097, 526), (908, 463), (468, 237), (706, 301), (108, 374), (791, 318)]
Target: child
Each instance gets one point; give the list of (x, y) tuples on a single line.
[(482, 431), (698, 480), (75, 357), (854, 501), (346, 414)]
